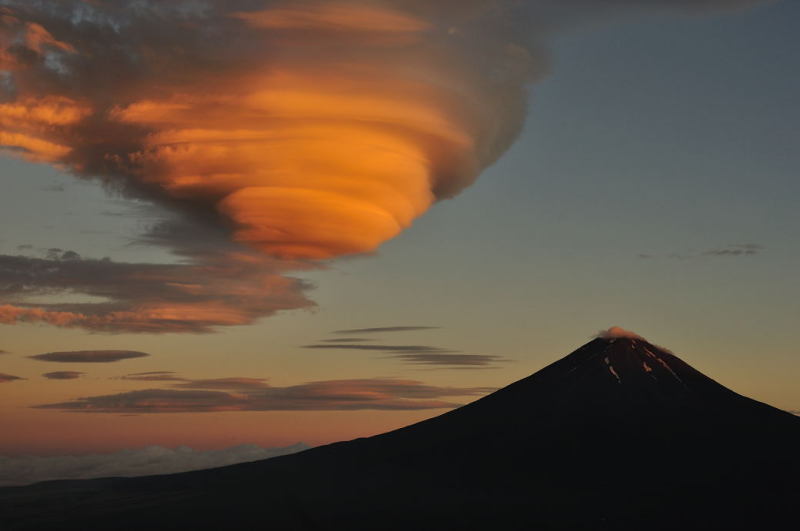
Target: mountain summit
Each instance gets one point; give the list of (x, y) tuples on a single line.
[(620, 434)]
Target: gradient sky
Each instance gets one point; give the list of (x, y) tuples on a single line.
[(654, 187)]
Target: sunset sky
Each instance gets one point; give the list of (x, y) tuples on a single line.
[(263, 228)]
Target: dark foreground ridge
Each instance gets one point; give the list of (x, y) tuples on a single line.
[(620, 434)]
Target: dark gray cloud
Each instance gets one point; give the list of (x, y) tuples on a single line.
[(385, 329), (741, 249), (151, 460), (89, 356), (153, 376), (226, 383), (451, 360), (419, 354), (330, 395), (733, 250), (346, 340), (379, 348), (5, 378), (63, 375)]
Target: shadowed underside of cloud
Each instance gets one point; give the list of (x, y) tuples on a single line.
[(5, 378), (419, 354), (243, 394), (63, 375), (89, 356), (152, 460)]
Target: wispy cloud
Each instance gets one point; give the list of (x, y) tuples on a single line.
[(63, 375), (742, 249), (89, 356), (243, 394), (24, 470), (153, 376), (418, 354), (380, 330), (347, 340), (226, 383), (732, 250), (216, 285), (6, 378)]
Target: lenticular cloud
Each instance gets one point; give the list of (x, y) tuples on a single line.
[(311, 129)]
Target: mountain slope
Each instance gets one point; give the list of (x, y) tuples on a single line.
[(620, 434)]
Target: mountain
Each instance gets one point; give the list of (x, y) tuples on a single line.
[(618, 435)]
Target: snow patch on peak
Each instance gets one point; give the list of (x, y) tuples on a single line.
[(617, 332)]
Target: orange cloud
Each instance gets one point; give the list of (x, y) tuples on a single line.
[(310, 151), (222, 289), (248, 394)]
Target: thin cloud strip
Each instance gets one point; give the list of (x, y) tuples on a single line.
[(153, 376), (63, 375), (379, 330), (329, 395), (418, 354), (733, 250), (744, 249), (6, 378), (89, 356)]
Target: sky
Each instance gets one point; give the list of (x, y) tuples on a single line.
[(635, 167)]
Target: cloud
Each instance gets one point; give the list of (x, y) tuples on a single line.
[(3, 352), (151, 460), (744, 249), (212, 286), (385, 329), (226, 383), (346, 340), (63, 375), (89, 356), (733, 250), (5, 378), (419, 354), (329, 395), (154, 376), (311, 151)]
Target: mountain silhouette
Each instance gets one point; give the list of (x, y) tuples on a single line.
[(620, 434)]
